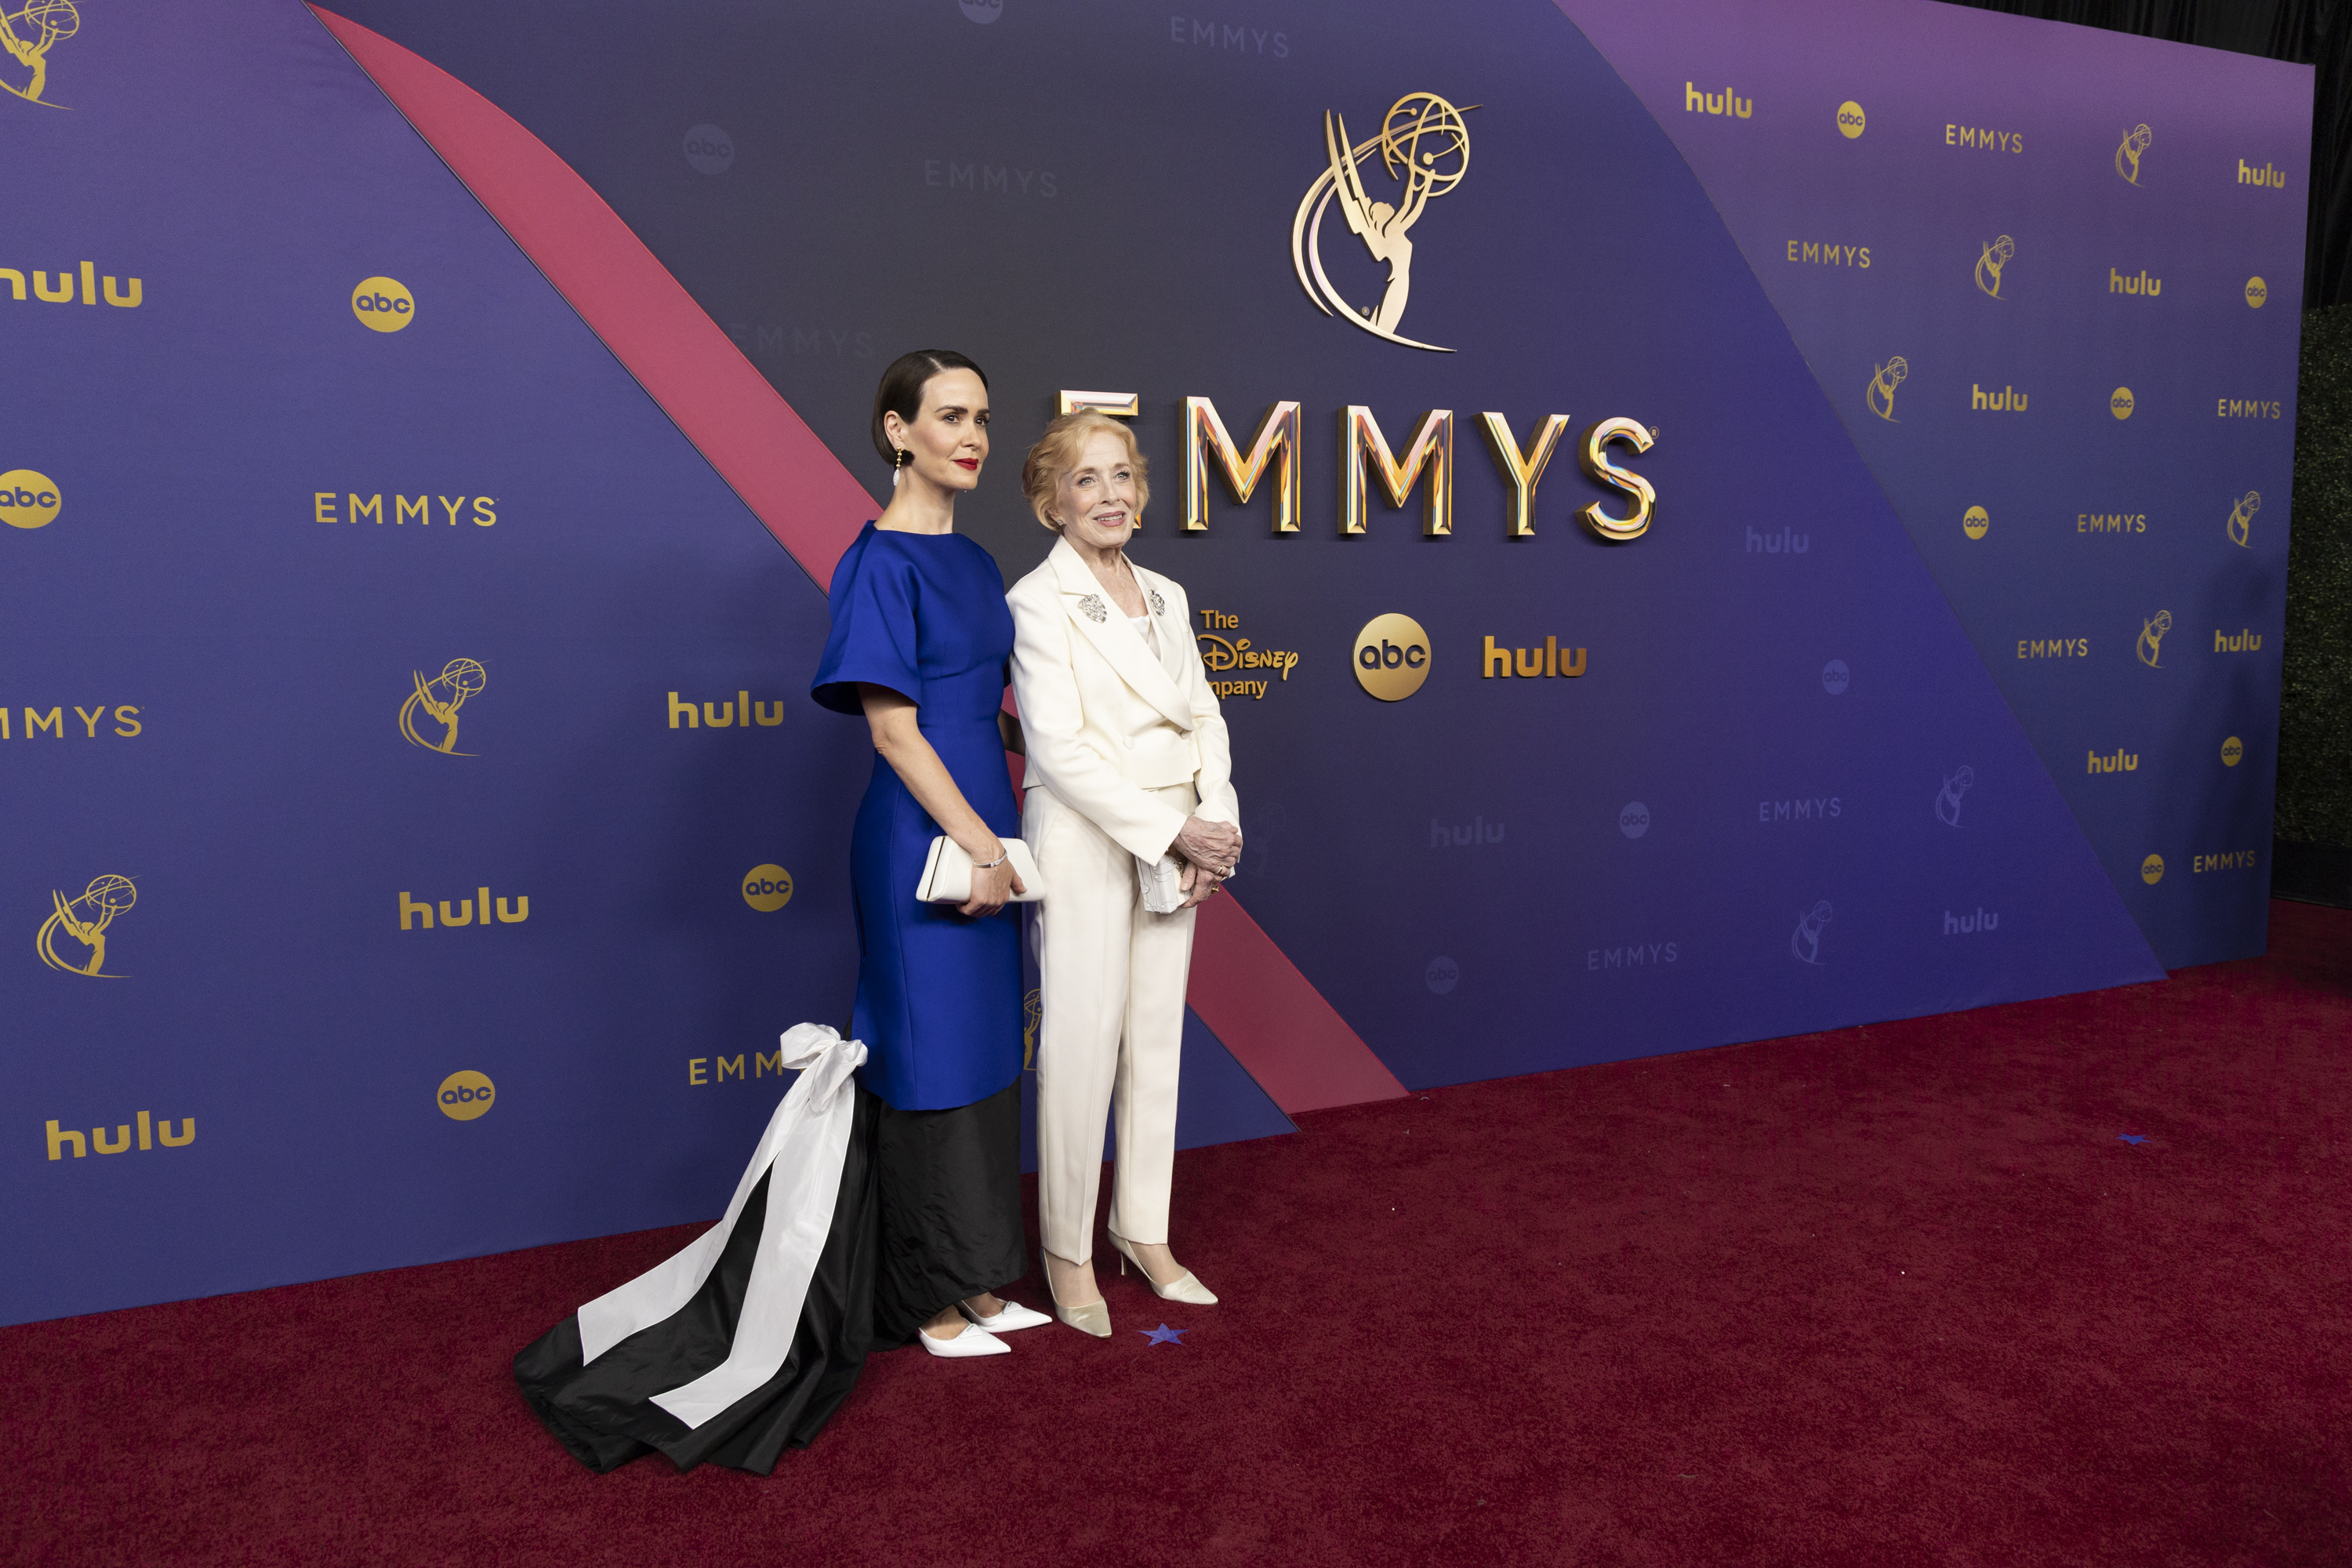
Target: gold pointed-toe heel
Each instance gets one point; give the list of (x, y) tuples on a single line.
[(1186, 1287), (1093, 1318)]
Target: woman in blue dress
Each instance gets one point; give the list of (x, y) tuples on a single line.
[(920, 643), (895, 1199)]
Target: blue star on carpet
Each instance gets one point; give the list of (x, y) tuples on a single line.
[(1164, 1335), (2134, 1139)]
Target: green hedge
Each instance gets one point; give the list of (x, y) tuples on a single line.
[(2314, 783)]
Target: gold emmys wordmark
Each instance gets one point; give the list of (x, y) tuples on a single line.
[(105, 898), (2151, 637), (1884, 380), (1382, 226), (26, 34), (2242, 519), (2136, 142), (460, 679), (1988, 265)]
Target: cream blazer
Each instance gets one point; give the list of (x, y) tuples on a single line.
[(1106, 725)]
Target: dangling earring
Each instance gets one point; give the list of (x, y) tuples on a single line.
[(898, 466)]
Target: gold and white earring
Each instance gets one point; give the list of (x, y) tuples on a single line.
[(897, 466)]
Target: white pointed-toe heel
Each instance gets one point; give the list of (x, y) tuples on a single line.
[(971, 1340), (1093, 1318), (1012, 1316), (1186, 1287)]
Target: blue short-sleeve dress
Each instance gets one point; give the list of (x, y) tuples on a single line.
[(939, 994)]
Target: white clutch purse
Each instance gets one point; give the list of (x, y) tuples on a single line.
[(946, 873), (1163, 883)]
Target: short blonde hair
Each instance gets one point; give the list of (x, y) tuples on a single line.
[(1057, 451)]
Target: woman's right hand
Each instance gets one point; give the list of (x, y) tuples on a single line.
[(992, 887), (1216, 844)]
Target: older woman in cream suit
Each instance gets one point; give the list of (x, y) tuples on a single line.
[(1129, 771)]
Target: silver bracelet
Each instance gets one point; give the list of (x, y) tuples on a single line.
[(1001, 860)]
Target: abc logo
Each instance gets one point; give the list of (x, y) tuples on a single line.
[(1442, 975), (767, 888), (2120, 405), (1851, 119), (2256, 292), (1975, 521), (2151, 870), (709, 149), (1836, 677), (464, 1096), (1635, 820), (28, 499), (1391, 656), (2232, 751), (384, 304)]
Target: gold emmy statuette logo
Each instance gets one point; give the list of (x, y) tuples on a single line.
[(2242, 519), (2151, 637), (767, 888), (1424, 146), (2234, 751), (105, 898), (28, 499), (384, 304), (2136, 142), (1975, 522), (465, 1095), (439, 700), (1884, 380), (1851, 120), (1391, 656), (2256, 292), (2119, 403), (25, 36), (1988, 265), (2151, 870), (1032, 1014)]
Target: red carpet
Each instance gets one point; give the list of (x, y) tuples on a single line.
[(1891, 1295)]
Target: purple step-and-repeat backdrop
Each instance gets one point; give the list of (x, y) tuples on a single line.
[(373, 906)]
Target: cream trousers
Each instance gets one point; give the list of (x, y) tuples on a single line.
[(1111, 1032)]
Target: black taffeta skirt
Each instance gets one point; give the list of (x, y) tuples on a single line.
[(928, 1212), (949, 1184)]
